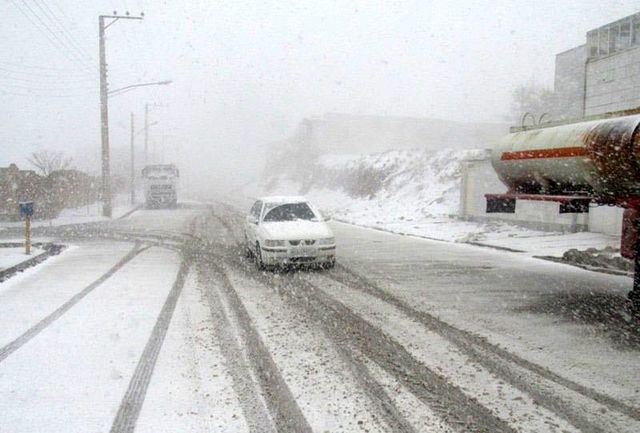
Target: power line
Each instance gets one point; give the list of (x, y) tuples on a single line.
[(45, 89), (72, 84), (37, 67), (41, 21), (57, 42), (63, 31), (27, 75), (33, 95)]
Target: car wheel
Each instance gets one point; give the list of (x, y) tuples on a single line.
[(258, 254), (330, 265)]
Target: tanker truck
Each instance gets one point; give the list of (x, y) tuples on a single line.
[(160, 185), (576, 163)]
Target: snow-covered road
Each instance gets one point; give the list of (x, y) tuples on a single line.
[(162, 325)]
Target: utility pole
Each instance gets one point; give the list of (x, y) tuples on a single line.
[(104, 125), (133, 165), (104, 108), (146, 133)]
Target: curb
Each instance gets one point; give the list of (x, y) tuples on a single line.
[(50, 250)]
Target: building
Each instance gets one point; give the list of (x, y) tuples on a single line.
[(18, 185), (603, 74)]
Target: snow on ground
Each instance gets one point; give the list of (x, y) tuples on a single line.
[(71, 377), (327, 394), (11, 256), (79, 215), (191, 389), (416, 193), (29, 296), (517, 408)]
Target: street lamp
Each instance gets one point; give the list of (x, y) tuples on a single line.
[(126, 89)]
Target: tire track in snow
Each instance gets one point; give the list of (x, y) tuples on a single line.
[(348, 329), (32, 332), (129, 410), (495, 359), (385, 407), (253, 405), (282, 406)]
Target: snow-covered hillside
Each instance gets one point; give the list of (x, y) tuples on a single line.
[(384, 187)]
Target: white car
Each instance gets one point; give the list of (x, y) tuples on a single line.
[(282, 231)]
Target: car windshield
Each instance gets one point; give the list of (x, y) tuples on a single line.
[(290, 212)]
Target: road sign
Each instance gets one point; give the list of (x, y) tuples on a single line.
[(26, 208), (26, 211)]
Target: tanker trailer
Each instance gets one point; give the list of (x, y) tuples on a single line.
[(593, 161)]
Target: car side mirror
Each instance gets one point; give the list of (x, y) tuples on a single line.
[(252, 220)]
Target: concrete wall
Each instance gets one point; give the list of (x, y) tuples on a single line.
[(606, 219), (479, 178), (613, 82)]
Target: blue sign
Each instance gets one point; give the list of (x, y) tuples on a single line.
[(26, 208)]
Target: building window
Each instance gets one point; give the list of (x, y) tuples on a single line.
[(592, 43), (624, 38), (604, 41), (614, 33)]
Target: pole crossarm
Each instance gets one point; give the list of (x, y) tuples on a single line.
[(115, 18)]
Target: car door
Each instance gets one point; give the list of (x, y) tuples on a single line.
[(251, 223)]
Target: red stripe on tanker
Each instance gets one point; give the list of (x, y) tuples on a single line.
[(562, 152)]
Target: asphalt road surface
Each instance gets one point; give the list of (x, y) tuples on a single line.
[(158, 322)]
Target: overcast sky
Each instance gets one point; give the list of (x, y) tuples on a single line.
[(246, 72)]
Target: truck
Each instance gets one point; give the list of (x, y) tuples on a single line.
[(160, 185), (577, 163)]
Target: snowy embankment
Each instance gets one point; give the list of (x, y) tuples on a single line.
[(415, 193)]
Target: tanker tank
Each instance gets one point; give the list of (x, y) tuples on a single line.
[(599, 158)]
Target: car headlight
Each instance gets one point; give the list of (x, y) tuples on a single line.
[(327, 241), (273, 243)]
